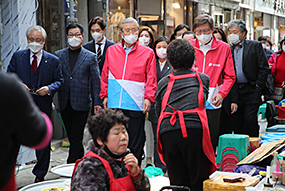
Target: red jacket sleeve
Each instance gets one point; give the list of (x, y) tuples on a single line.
[(229, 76), (151, 82), (104, 78)]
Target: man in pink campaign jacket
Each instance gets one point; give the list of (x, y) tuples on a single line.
[(128, 82), (214, 58)]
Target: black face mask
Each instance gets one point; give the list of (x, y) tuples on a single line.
[(115, 155)]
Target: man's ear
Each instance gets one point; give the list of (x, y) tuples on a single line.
[(99, 141)]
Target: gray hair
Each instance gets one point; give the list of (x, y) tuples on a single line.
[(238, 22), (37, 28), (129, 20)]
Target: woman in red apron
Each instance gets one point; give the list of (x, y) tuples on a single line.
[(183, 136), (108, 165)]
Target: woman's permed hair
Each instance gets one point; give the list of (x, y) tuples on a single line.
[(100, 124)]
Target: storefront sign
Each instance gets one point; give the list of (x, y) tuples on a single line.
[(270, 6)]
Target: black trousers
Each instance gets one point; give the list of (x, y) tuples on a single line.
[(43, 157), (245, 119), (186, 162), (225, 123), (213, 116), (136, 132), (157, 161), (74, 122)]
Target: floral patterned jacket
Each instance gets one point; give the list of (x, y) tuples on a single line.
[(91, 174)]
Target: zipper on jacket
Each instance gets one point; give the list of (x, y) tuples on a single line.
[(123, 76), (203, 71)]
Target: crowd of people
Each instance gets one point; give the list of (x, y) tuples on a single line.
[(196, 86)]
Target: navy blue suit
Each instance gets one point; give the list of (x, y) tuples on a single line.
[(91, 47), (81, 86), (50, 75)]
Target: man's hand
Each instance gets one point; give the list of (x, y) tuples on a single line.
[(146, 106), (26, 87), (43, 90), (97, 108), (217, 100), (105, 102), (234, 107), (132, 162)]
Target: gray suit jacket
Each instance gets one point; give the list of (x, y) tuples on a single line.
[(82, 84)]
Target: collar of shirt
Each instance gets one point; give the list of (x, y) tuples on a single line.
[(38, 55), (103, 42), (206, 47), (161, 65), (128, 50)]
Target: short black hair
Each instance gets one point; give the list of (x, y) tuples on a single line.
[(189, 32), (97, 20), (74, 25), (262, 38), (221, 32), (158, 40), (181, 54), (281, 42), (101, 123), (180, 27)]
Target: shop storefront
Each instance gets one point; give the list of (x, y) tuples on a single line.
[(160, 15), (266, 19)]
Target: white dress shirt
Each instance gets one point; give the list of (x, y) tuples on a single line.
[(207, 47), (103, 42), (161, 65), (39, 56)]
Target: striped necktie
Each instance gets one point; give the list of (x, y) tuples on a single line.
[(99, 52)]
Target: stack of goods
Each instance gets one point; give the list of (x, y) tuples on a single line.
[(232, 149), (229, 181)]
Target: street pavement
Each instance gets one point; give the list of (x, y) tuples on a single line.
[(59, 156)]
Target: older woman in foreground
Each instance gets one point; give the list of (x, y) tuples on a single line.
[(183, 134)]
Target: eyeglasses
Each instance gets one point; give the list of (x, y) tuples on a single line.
[(205, 31), (72, 35), (128, 31)]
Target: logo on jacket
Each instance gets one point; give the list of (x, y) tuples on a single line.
[(216, 65)]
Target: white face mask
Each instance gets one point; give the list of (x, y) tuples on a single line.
[(131, 38), (264, 46), (268, 47), (35, 47), (203, 38), (144, 40), (74, 41), (179, 37), (283, 48), (161, 53), (234, 39), (97, 36)]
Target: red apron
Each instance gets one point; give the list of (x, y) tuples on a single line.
[(119, 184), (200, 110)]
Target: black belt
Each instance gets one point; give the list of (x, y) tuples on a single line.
[(243, 85)]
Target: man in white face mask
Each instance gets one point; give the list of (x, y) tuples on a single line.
[(99, 44), (128, 82), (81, 85), (265, 46), (213, 57), (251, 70), (40, 73)]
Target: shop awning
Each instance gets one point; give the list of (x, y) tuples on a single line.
[(210, 2), (228, 4)]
